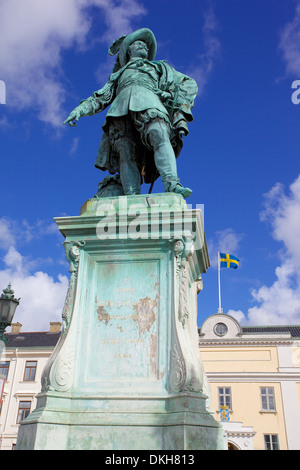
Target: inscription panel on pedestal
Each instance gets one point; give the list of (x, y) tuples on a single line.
[(123, 334)]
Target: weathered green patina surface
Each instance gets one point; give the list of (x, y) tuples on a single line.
[(127, 372), (150, 106)]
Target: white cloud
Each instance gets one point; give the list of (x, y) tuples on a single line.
[(42, 297), (14, 262), (13, 232), (74, 145), (280, 302), (212, 48), (225, 241), (290, 44), (119, 16), (5, 123), (238, 315), (33, 34), (7, 236), (283, 213)]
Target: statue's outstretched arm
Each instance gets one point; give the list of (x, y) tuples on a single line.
[(94, 104)]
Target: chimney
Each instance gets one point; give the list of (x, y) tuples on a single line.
[(55, 327), (16, 328)]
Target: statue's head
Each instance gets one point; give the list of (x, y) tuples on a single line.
[(137, 49), (140, 43)]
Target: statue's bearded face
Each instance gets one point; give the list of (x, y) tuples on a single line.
[(138, 49)]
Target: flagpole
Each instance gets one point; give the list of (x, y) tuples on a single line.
[(220, 310)]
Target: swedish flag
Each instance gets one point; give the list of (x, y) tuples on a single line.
[(228, 261)]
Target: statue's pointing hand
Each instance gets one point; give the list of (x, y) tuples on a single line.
[(73, 116)]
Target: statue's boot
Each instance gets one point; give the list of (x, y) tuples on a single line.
[(176, 187), (164, 158), (165, 162), (129, 172)]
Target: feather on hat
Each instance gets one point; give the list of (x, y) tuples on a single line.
[(115, 47)]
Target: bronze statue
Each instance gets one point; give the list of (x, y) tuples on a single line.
[(150, 105)]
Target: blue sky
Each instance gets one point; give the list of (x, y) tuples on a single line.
[(241, 157)]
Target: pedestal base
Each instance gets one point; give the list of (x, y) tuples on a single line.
[(175, 423), (126, 373)]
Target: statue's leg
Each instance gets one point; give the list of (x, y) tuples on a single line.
[(121, 137), (129, 172), (157, 134)]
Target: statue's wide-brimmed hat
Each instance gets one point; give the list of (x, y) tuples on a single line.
[(143, 34)]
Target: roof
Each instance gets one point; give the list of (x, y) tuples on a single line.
[(37, 339), (44, 339), (294, 330)]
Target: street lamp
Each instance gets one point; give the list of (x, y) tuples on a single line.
[(8, 305)]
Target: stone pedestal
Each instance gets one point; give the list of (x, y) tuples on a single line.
[(126, 372)]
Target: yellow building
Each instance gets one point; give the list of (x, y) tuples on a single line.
[(254, 372)]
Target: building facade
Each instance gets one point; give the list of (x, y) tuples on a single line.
[(21, 364), (254, 376)]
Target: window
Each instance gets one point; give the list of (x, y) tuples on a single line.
[(220, 329), (267, 398), (271, 442), (4, 366), (225, 397), (30, 370), (24, 410), (2, 382)]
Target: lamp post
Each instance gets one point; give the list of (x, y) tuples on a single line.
[(8, 305)]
